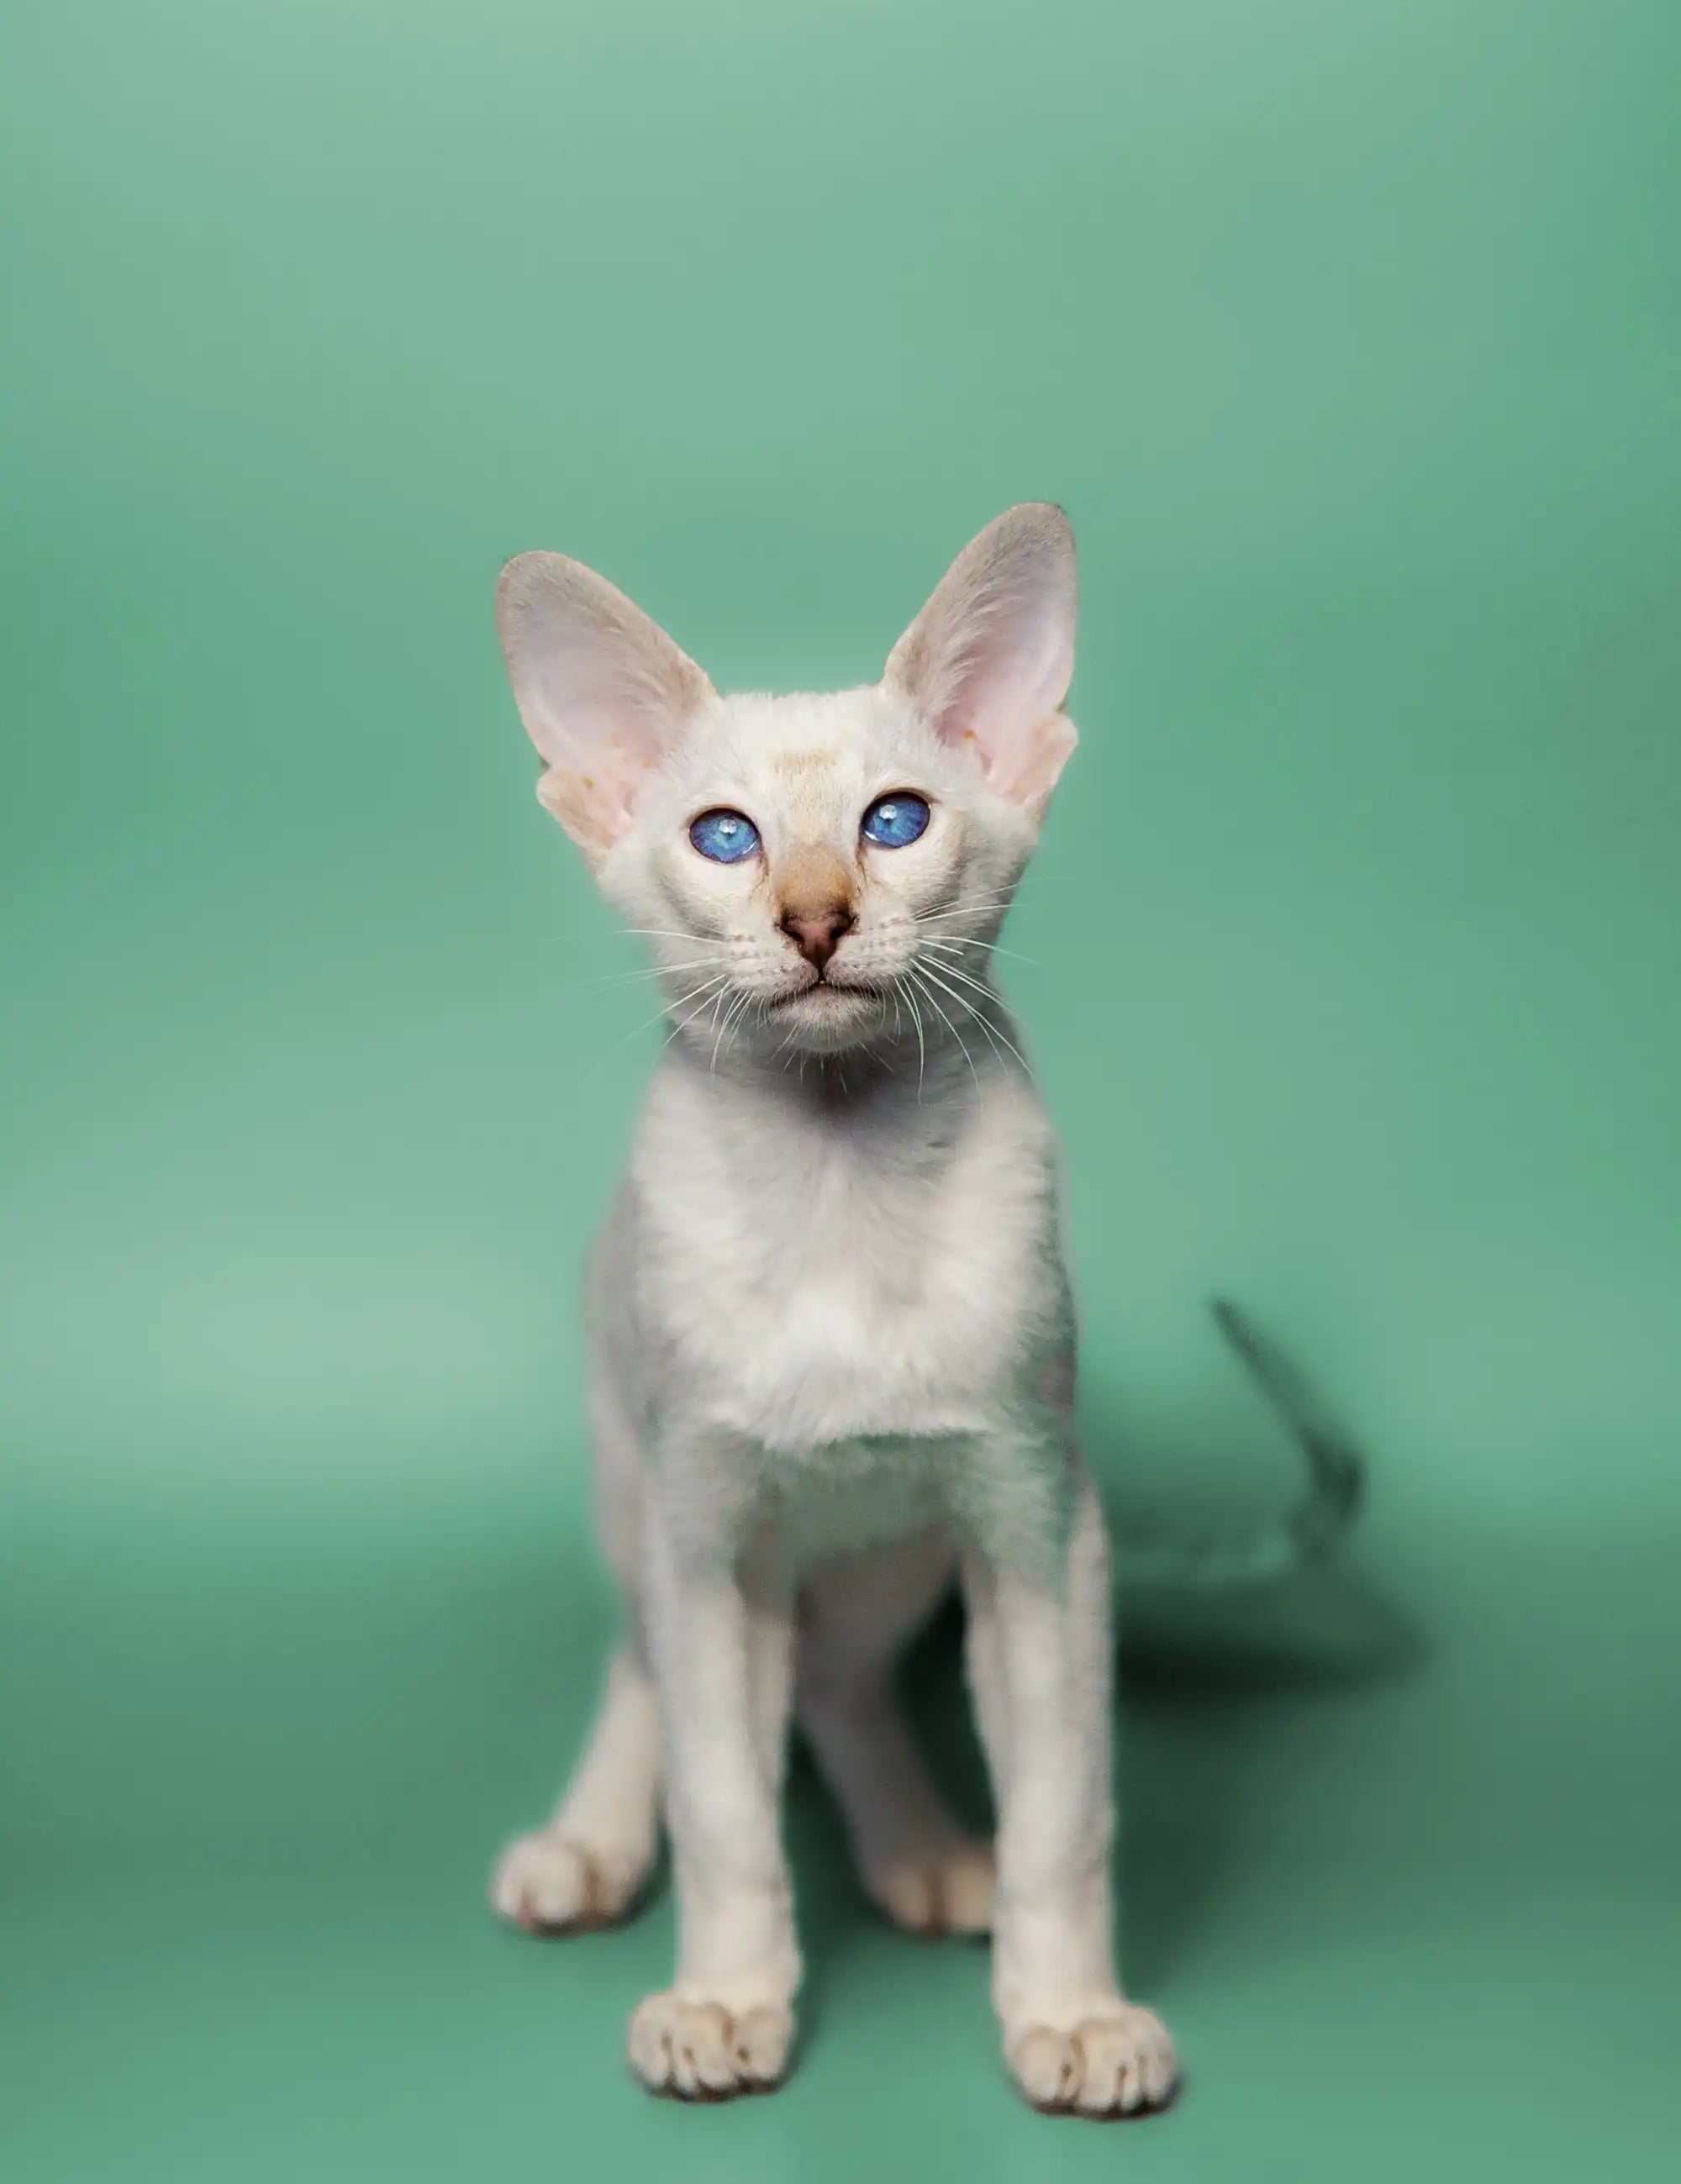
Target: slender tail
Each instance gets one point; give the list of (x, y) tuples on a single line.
[(1312, 1528)]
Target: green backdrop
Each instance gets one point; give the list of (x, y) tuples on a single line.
[(1346, 332)]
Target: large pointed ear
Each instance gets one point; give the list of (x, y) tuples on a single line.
[(988, 661), (602, 690)]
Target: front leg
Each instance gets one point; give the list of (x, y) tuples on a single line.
[(722, 1637), (1041, 1647)]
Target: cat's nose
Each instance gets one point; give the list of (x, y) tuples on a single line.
[(817, 934)]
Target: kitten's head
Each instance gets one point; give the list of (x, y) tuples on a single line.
[(808, 866)]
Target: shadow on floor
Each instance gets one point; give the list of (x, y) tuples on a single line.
[(1211, 1690), (1213, 1676)]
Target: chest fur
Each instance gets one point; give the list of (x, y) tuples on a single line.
[(801, 1282)]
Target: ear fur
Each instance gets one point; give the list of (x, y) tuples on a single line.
[(988, 661), (602, 690)]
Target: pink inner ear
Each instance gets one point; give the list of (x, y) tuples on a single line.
[(603, 730), (604, 693), (1010, 681), (989, 660), (1029, 771), (596, 808)]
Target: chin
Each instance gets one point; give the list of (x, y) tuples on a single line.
[(829, 1019)]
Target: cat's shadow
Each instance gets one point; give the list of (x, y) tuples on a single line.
[(1208, 1687)]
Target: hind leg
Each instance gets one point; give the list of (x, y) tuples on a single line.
[(587, 1867), (917, 1864)]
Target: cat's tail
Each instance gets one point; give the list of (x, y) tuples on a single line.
[(1218, 1558)]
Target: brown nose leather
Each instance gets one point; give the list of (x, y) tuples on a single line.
[(817, 934)]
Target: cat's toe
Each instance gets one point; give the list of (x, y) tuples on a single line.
[(1118, 2064), (549, 1884), (700, 2051), (946, 1889)]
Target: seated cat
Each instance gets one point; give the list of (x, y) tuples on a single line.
[(832, 1333)]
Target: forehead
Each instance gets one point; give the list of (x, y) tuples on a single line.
[(801, 755)]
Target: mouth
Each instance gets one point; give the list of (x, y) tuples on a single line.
[(828, 994)]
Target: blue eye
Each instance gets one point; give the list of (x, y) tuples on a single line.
[(893, 820), (725, 837)]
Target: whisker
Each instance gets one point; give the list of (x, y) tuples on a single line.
[(975, 905), (741, 1017), (732, 1017), (945, 1020), (970, 1009), (967, 941), (721, 979), (718, 943), (965, 977), (682, 1023), (712, 988), (639, 976), (992, 1032), (921, 1043)]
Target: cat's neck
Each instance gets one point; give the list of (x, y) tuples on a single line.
[(921, 1073)]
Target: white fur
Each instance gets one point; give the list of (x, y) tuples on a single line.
[(832, 1327)]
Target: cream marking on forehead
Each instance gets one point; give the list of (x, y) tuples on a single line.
[(805, 757)]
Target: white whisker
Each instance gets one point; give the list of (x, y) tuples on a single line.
[(732, 1017), (966, 978), (682, 1023), (754, 1002), (976, 905), (945, 1020), (921, 1042), (992, 1032), (601, 1060), (640, 976), (967, 941)]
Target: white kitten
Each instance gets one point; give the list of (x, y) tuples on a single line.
[(833, 1338)]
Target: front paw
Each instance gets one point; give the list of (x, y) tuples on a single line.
[(1120, 2062), (700, 2051)]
